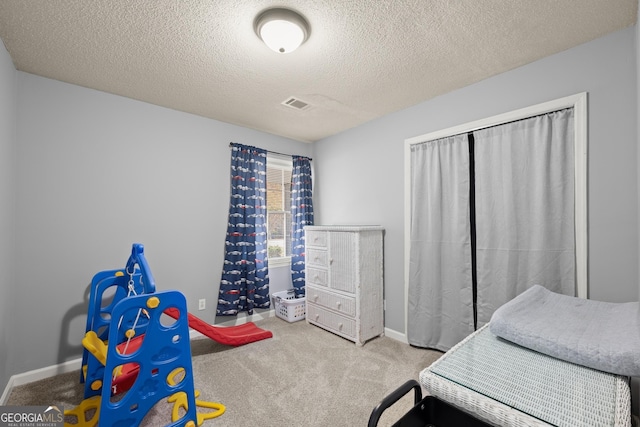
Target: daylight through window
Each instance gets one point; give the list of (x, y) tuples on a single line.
[(278, 208)]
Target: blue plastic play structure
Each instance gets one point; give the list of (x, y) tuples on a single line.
[(135, 354), (107, 289)]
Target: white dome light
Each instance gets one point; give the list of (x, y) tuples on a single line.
[(283, 30)]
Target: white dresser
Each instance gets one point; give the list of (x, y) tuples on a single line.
[(344, 280)]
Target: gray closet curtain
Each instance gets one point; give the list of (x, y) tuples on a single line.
[(518, 192), (524, 182), (440, 293)]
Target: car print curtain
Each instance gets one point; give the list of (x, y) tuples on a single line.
[(301, 215), (245, 279)]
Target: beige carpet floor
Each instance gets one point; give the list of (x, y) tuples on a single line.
[(303, 376)]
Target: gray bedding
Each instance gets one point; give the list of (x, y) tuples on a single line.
[(600, 335)]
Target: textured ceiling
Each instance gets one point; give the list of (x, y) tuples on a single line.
[(364, 58)]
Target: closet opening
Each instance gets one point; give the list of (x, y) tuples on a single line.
[(491, 207)]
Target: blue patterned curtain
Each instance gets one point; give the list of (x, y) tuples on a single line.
[(301, 215), (245, 275)]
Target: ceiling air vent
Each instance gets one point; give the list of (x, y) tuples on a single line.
[(296, 104)]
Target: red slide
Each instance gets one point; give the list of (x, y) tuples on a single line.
[(227, 335)]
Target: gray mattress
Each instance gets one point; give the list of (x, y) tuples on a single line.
[(600, 335)]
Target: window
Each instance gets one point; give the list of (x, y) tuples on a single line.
[(278, 210)]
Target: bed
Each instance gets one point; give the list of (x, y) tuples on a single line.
[(566, 362)]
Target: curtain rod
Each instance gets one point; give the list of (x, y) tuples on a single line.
[(275, 152), (471, 130)]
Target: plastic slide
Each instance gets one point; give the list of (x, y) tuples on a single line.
[(227, 335)]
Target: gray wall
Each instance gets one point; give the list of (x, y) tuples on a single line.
[(359, 173), (96, 173), (7, 207)]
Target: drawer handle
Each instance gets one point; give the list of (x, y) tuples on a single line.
[(317, 316), (338, 304), (317, 277), (340, 325), (315, 297)]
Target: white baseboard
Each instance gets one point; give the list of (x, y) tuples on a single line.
[(242, 318), (5, 393), (39, 374), (398, 336), (76, 364)]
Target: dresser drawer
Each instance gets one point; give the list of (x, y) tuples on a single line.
[(316, 238), (331, 321), (342, 304), (317, 276), (317, 257)]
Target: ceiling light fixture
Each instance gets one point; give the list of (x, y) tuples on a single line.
[(283, 30)]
